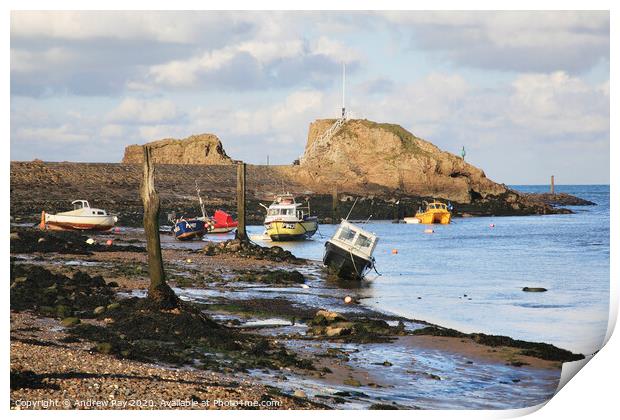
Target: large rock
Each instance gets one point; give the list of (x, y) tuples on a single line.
[(202, 149), (367, 154)]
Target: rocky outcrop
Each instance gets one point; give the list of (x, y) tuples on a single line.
[(365, 155), (202, 149), (390, 170)]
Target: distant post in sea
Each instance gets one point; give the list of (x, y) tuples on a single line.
[(241, 233), (552, 185)]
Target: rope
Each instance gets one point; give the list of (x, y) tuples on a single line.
[(353, 261)]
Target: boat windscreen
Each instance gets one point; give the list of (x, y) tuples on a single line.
[(363, 241), (346, 234)]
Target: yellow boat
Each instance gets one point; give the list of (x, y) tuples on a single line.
[(435, 213), (286, 221)]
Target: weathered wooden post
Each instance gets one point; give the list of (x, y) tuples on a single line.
[(552, 185), (335, 210), (241, 233), (159, 291)]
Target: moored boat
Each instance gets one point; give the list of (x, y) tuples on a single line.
[(435, 212), (286, 220), (349, 252), (188, 229), (82, 217), (221, 222)]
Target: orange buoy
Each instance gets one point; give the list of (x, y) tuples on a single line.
[(42, 224), (348, 299), (108, 242), (429, 231), (395, 251)]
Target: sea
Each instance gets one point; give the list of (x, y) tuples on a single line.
[(470, 275)]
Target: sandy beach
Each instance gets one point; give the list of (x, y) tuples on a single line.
[(52, 359)]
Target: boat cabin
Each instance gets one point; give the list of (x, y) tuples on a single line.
[(437, 206), (83, 205), (357, 240), (285, 205), (80, 204)]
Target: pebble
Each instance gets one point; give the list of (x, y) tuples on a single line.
[(299, 393)]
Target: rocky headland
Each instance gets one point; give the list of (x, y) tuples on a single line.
[(391, 171)]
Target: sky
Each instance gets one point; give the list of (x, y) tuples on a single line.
[(526, 93)]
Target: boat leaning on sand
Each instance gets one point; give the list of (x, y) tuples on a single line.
[(435, 212), (349, 252), (82, 217), (188, 229), (287, 221)]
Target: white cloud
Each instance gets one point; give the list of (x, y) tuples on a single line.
[(61, 134), (143, 25), (112, 131), (137, 111), (423, 105), (187, 72), (336, 50), (511, 40), (557, 103), (26, 61)]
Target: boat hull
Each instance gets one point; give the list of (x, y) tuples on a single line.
[(222, 229), (430, 218), (221, 222), (343, 263), (411, 220), (280, 231), (96, 223), (187, 230)]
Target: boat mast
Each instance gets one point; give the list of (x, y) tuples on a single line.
[(202, 206), (343, 88)]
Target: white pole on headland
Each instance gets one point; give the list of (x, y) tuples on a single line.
[(343, 85)]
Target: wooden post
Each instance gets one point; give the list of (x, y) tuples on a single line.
[(552, 185), (241, 233), (335, 203), (159, 291)]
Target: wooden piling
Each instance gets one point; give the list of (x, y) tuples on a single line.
[(335, 205), (552, 185), (241, 232), (159, 292)]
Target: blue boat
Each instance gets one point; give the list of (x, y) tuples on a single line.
[(188, 229)]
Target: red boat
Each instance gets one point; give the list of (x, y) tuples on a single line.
[(221, 222)]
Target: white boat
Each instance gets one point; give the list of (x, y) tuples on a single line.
[(82, 217), (411, 220), (349, 252)]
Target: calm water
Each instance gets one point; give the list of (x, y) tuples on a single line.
[(469, 275)]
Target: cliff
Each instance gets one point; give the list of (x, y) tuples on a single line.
[(202, 149), (367, 156)]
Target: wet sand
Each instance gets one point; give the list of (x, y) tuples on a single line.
[(212, 281)]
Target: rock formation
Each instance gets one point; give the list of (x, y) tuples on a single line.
[(368, 156), (202, 149), (389, 169)]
